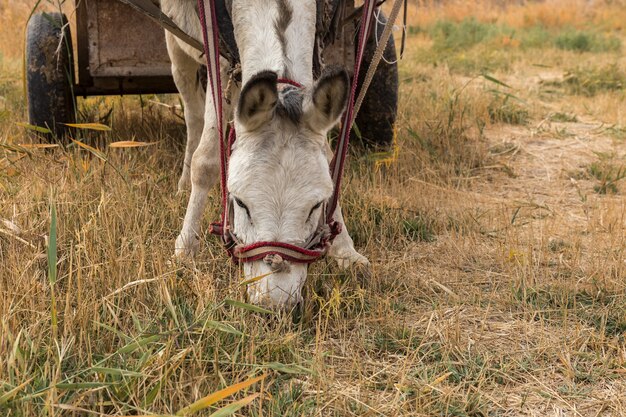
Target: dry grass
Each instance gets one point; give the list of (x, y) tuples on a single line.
[(610, 15), (499, 285)]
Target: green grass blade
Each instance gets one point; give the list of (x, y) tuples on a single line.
[(133, 346), (248, 307), (115, 331), (293, 369), (9, 395), (52, 246), (116, 372), (152, 394), (34, 128), (74, 386), (495, 80), (97, 153), (357, 131), (222, 327), (52, 267)]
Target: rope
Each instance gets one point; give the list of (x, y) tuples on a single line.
[(212, 53), (337, 164), (378, 20), (378, 54)]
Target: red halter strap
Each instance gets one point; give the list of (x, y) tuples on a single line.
[(319, 242), (315, 247), (290, 82)]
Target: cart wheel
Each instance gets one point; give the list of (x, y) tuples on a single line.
[(377, 116), (50, 73)]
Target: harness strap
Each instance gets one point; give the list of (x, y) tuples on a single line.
[(339, 158), (226, 31), (314, 248), (379, 52), (208, 22), (290, 82), (260, 250), (148, 8)]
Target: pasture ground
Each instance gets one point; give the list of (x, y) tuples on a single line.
[(496, 228)]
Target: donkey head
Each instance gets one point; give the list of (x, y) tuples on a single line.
[(278, 175)]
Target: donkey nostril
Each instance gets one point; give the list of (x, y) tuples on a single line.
[(275, 261)]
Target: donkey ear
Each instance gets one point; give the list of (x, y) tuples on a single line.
[(329, 98), (258, 100)]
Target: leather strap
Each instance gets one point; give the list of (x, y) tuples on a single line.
[(341, 151), (153, 11)]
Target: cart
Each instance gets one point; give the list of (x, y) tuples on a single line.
[(121, 51)]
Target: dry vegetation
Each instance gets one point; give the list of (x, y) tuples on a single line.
[(497, 230)]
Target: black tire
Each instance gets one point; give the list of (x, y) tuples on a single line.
[(377, 116), (50, 73)]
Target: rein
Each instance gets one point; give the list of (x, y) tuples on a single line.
[(328, 228)]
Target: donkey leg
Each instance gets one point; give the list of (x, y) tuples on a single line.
[(185, 74), (342, 248), (204, 174)]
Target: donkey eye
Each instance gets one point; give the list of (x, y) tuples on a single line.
[(315, 207), (242, 205)]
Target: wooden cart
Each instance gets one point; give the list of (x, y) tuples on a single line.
[(121, 51)]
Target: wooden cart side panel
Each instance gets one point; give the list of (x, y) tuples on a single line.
[(82, 44), (123, 42)]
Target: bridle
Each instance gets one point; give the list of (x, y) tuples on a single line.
[(319, 242), (314, 247)]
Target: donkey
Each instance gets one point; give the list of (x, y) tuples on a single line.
[(278, 173)]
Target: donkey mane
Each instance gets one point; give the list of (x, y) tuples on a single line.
[(289, 106), (290, 99)]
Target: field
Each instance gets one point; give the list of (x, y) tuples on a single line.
[(496, 228)]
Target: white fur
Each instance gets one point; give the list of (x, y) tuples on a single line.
[(278, 170)]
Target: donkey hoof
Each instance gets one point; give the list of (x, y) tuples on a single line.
[(352, 259), (186, 247), (358, 263), (363, 271), (184, 183)]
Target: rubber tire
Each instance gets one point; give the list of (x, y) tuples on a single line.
[(50, 74), (377, 116)]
